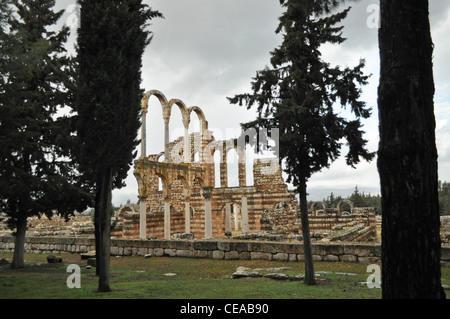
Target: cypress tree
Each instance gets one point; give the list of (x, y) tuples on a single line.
[(37, 175), (298, 95), (111, 41)]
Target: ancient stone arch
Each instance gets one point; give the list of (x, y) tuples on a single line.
[(166, 114), (349, 202), (183, 109), (201, 117), (190, 184), (162, 100), (314, 206)]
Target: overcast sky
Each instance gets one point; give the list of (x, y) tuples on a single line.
[(207, 50)]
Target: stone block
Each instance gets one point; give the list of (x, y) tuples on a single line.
[(260, 256), (184, 253), (182, 245), (114, 251), (273, 248), (245, 255), (158, 252), (127, 251), (360, 250), (170, 252), (348, 258), (280, 256), (200, 254), (223, 245), (205, 245), (327, 249), (293, 248), (330, 257), (239, 246), (218, 254), (368, 260), (233, 254), (142, 251)]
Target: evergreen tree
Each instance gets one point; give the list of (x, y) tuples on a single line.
[(407, 155), (357, 198), (36, 173), (111, 41), (298, 95)]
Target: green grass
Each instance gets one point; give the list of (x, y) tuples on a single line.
[(139, 278)]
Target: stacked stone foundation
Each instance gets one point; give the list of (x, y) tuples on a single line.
[(227, 250)]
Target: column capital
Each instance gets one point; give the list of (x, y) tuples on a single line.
[(227, 197), (207, 192)]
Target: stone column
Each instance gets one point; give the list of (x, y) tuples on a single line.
[(207, 193), (242, 174), (166, 140), (187, 146), (142, 219), (166, 218), (244, 215), (228, 216), (187, 217), (144, 134), (236, 212), (223, 167)]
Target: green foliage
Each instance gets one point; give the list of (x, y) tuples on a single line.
[(139, 278), (111, 41), (358, 199), (368, 200), (300, 92), (36, 173)]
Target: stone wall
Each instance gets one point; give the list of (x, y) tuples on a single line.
[(245, 250)]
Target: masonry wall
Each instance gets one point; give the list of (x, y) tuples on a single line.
[(244, 250)]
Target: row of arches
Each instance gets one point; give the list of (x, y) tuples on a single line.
[(166, 108), (345, 203)]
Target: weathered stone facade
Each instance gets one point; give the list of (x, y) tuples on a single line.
[(190, 203)]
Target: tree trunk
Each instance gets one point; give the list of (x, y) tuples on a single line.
[(98, 240), (309, 265), (103, 209), (19, 246), (407, 156)]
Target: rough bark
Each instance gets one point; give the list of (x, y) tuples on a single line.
[(19, 246), (97, 242), (309, 265), (103, 242), (407, 156)]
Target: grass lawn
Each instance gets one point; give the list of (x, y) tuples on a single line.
[(140, 278)]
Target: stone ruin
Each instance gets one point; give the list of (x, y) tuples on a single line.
[(79, 225), (178, 197), (189, 205)]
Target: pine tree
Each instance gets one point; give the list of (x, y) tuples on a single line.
[(298, 95), (111, 41), (36, 173)]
